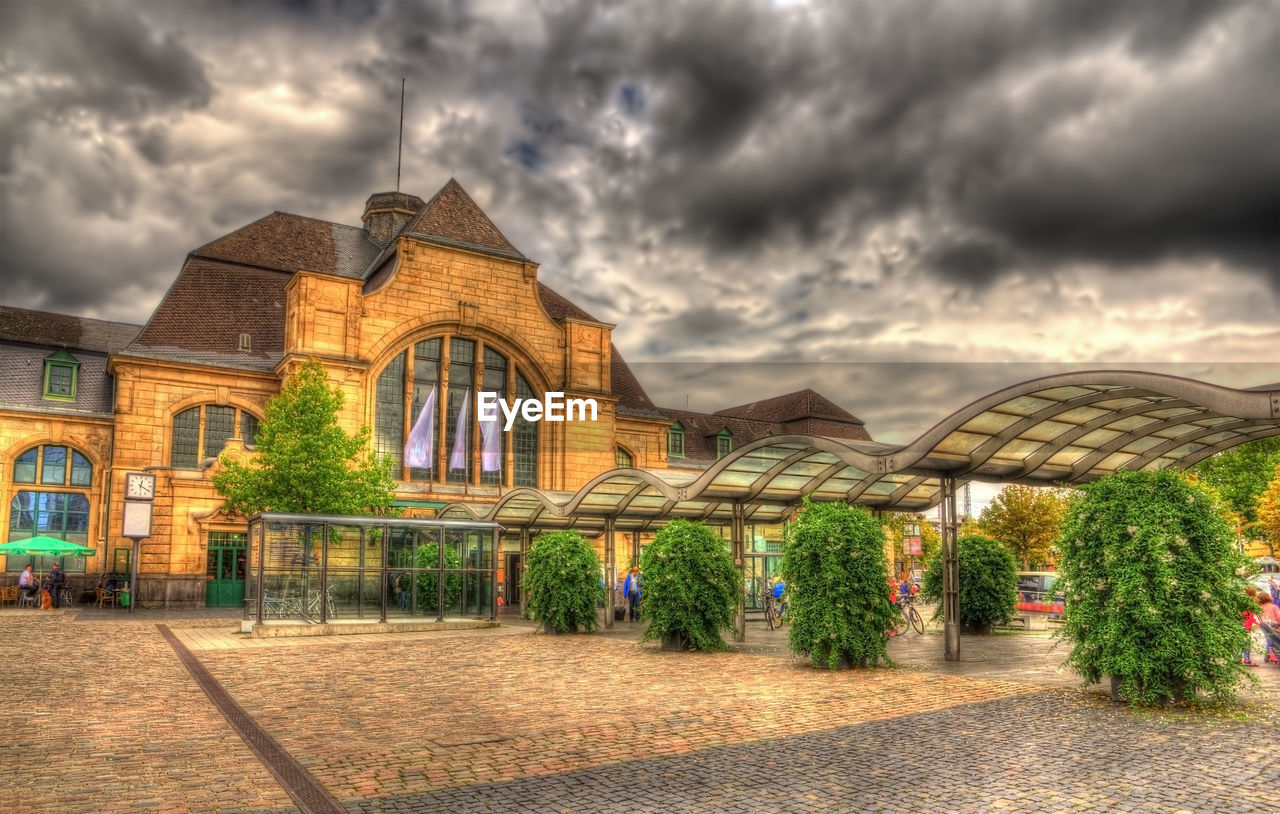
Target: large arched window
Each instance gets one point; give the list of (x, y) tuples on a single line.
[(432, 416), (51, 498), (201, 432)]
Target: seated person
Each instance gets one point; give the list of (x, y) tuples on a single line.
[(27, 582)]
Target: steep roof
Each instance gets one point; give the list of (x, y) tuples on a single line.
[(62, 331), (798, 406), (286, 242), (206, 309), (453, 217)]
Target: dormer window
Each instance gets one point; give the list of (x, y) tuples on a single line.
[(60, 372), (246, 342), (675, 441), (724, 443)]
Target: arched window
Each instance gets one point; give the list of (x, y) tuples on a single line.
[(432, 416), (201, 432), (622, 459), (56, 504)]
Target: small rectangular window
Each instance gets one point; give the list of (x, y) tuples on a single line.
[(246, 342)]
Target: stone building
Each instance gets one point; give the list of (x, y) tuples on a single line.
[(411, 313)]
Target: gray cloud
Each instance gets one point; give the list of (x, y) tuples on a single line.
[(886, 182)]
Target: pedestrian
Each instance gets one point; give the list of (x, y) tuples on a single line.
[(1268, 612), (57, 578), (1250, 622), (1273, 588), (632, 589)]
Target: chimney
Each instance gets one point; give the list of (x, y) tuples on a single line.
[(386, 213)]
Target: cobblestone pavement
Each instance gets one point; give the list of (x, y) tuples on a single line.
[(103, 717)]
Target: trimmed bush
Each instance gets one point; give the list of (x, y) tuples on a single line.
[(988, 582), (838, 584), (562, 582), (1154, 589), (691, 587)]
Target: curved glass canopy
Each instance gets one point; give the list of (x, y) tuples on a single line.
[(1053, 431)]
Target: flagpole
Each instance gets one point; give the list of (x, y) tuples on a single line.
[(400, 146)]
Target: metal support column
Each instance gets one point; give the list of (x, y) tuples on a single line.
[(524, 559), (950, 569), (737, 535), (609, 578)]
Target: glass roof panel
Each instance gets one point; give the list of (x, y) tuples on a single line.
[(1173, 412), (1019, 449), (1065, 393), (1210, 440), (1067, 456), (959, 443), (1121, 403), (988, 423), (1097, 438), (1115, 462), (1045, 431), (1140, 445), (1079, 415), (737, 480), (1024, 405), (1130, 423)]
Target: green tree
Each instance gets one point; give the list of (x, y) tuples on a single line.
[(1268, 509), (1153, 591), (988, 582), (563, 583), (690, 588), (895, 529), (837, 578), (1027, 520), (1241, 475), (306, 463)]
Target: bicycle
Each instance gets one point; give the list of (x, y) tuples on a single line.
[(907, 616), (772, 613)]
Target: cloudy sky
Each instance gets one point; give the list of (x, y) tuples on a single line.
[(903, 205)]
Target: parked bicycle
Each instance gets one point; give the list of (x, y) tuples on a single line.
[(907, 616)]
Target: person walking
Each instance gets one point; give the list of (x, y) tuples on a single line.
[(632, 590), (1268, 612)]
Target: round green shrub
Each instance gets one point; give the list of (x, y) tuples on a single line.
[(562, 581), (988, 582), (1154, 589), (838, 583), (691, 588)]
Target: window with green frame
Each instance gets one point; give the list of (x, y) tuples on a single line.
[(60, 372), (675, 441), (724, 443), (61, 512)]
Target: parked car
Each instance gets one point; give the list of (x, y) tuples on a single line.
[(1036, 593)]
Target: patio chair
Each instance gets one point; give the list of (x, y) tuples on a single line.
[(8, 595), (105, 597), (28, 599)]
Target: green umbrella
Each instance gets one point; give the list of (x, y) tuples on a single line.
[(46, 547)]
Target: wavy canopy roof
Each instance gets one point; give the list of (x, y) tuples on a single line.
[(1058, 430)]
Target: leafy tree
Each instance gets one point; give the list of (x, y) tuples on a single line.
[(1154, 599), (988, 582), (1240, 475), (1026, 519), (562, 582), (306, 463), (837, 579), (691, 588), (1268, 508)]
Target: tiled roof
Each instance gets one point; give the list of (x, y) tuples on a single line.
[(453, 217), (798, 406), (209, 306), (62, 331), (22, 385), (804, 412), (286, 242)]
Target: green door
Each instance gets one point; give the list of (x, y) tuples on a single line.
[(224, 574)]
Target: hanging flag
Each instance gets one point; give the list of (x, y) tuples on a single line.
[(458, 458), (490, 444), (418, 453)]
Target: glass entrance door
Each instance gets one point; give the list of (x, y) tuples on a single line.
[(225, 570)]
